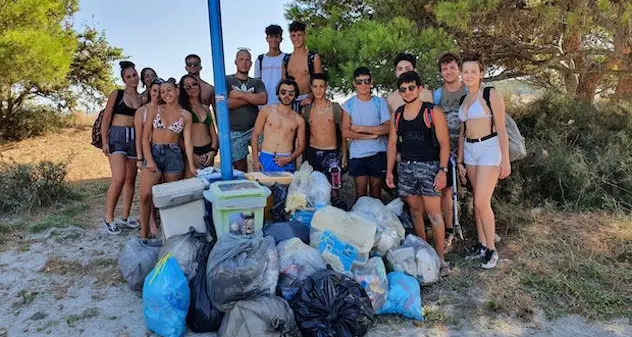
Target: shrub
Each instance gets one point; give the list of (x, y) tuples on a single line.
[(24, 187), (580, 155), (32, 121)]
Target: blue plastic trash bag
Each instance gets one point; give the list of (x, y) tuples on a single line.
[(166, 298), (282, 231), (404, 297)]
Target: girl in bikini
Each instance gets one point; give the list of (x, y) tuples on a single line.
[(161, 144), (203, 134)]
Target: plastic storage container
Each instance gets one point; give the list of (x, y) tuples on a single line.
[(211, 174), (181, 206), (236, 201)]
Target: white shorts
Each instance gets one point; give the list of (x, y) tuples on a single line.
[(485, 153)]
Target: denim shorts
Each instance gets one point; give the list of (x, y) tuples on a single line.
[(168, 158), (417, 178), (121, 140)]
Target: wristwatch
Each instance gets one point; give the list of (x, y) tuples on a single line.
[(444, 169), (139, 159)]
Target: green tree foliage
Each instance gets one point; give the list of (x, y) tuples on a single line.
[(580, 47), (41, 55), (373, 44)]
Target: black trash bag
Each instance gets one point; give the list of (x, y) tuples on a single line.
[(332, 304), (185, 248), (282, 231), (202, 315), (279, 194), (267, 316)]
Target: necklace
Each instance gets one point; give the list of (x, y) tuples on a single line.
[(322, 109)]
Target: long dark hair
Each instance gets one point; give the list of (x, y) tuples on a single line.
[(124, 65), (142, 76), (157, 81), (185, 103)]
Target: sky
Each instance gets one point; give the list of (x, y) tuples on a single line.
[(159, 33)]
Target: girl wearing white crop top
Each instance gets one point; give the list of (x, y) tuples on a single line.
[(483, 154)]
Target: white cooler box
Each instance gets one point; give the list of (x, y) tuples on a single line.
[(181, 206)]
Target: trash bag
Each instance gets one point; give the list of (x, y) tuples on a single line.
[(372, 277), (299, 189), (396, 206), (390, 231), (267, 316), (348, 227), (517, 147), (202, 316), (166, 298), (281, 231), (320, 192), (185, 248), (137, 260), (241, 267), (279, 194), (297, 261), (416, 258), (331, 304), (407, 219), (404, 297)]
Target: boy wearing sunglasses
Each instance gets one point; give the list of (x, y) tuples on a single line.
[(419, 134), (365, 121), (193, 66), (403, 63)]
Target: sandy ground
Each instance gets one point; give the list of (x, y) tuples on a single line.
[(65, 282)]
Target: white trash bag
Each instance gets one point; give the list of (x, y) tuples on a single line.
[(416, 258), (390, 231)]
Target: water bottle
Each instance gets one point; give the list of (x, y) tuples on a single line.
[(336, 179)]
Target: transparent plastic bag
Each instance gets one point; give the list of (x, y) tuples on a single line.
[(241, 267), (372, 277), (137, 259), (348, 227), (299, 189), (426, 267), (166, 298), (185, 248), (267, 316), (396, 206), (517, 147), (320, 192), (297, 261), (390, 231)]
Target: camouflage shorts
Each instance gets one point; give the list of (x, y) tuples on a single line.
[(417, 178)]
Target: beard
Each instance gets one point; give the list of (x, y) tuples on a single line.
[(282, 101)]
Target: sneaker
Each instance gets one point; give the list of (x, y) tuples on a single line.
[(491, 260), (111, 227), (129, 222), (445, 269), (477, 252)]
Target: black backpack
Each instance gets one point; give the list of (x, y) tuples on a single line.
[(97, 138), (310, 63)]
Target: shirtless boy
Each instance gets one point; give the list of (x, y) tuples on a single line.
[(193, 66), (283, 132), (301, 64)]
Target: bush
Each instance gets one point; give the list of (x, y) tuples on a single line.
[(580, 155), (33, 121), (24, 187)]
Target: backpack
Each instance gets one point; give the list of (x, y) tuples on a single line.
[(437, 93), (97, 138), (337, 110), (517, 148), (427, 109), (260, 59), (310, 62)]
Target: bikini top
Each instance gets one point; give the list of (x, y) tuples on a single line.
[(475, 111), (120, 107), (175, 127), (196, 119)]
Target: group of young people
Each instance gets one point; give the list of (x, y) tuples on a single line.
[(405, 142)]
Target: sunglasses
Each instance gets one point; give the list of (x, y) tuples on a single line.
[(191, 86), (286, 92), (193, 64), (411, 87), (365, 81)]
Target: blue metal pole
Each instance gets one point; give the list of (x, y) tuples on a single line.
[(221, 98)]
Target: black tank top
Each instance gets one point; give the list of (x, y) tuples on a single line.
[(121, 108), (416, 140)]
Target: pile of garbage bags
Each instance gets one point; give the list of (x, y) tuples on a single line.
[(309, 189)]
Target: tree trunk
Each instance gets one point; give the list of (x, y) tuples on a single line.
[(587, 87)]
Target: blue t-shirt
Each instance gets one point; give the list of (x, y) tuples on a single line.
[(367, 113)]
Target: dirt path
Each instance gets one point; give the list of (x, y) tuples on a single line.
[(65, 282)]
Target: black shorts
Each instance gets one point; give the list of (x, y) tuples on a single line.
[(373, 166), (322, 160)]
